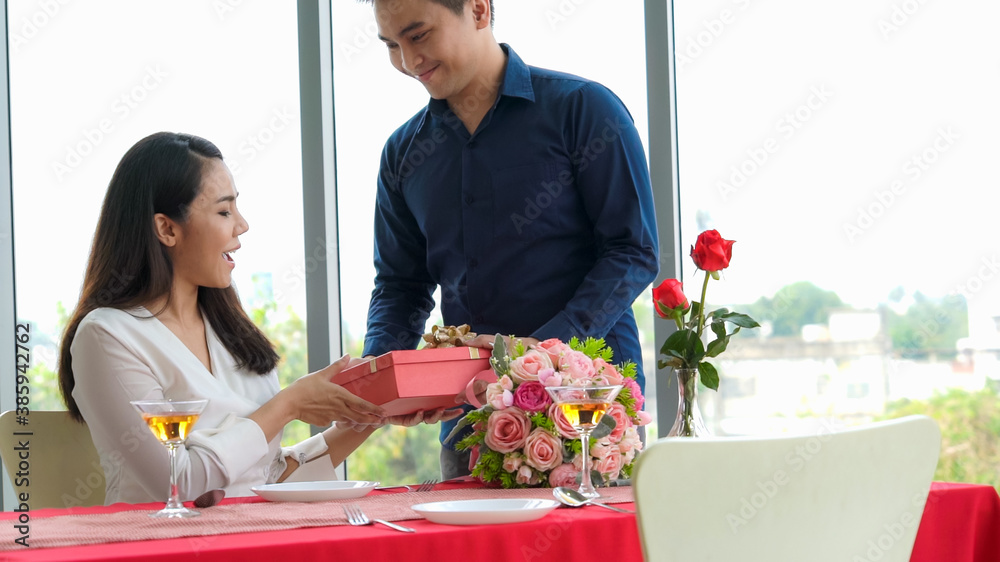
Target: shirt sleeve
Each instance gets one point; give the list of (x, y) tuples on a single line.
[(108, 375), (613, 180), (403, 296)]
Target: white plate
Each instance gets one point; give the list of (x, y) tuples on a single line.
[(314, 491), (485, 512)]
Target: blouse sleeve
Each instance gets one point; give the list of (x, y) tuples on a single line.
[(108, 375)]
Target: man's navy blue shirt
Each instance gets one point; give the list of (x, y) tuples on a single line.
[(538, 224)]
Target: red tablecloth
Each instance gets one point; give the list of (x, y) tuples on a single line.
[(961, 523)]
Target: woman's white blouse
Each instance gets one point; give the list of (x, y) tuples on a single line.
[(120, 356)]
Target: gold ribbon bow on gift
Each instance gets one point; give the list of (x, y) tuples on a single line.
[(448, 336)]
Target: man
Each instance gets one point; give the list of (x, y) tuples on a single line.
[(522, 193)]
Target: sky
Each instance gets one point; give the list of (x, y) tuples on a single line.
[(851, 144)]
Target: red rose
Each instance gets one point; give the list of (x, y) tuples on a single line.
[(712, 252), (669, 296)]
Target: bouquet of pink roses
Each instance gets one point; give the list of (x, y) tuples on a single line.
[(521, 439)]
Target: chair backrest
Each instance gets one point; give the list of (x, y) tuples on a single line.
[(837, 495), (52, 459)]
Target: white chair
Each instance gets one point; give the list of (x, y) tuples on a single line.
[(847, 496), (63, 468)]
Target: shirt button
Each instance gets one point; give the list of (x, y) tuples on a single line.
[(472, 144), (473, 262), (478, 319), (469, 199)]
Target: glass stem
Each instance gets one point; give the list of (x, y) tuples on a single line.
[(586, 486), (174, 502)]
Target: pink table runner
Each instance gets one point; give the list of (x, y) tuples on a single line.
[(124, 526)]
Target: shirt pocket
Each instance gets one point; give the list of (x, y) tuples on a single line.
[(533, 201)]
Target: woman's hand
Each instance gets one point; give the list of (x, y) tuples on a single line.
[(318, 401)]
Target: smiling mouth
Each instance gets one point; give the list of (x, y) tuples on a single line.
[(424, 76)]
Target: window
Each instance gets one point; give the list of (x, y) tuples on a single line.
[(88, 81), (844, 147)]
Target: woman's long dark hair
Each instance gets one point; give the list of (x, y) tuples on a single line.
[(128, 267)]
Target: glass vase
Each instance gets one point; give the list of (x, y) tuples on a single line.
[(688, 422)]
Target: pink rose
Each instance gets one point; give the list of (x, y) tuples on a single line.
[(627, 456), (600, 449), (531, 397), (507, 429), (549, 377), (608, 371), (526, 476), (564, 475), (526, 367), (608, 459), (512, 462), (630, 441), (562, 424), (542, 450), (576, 366), (636, 392), (554, 348), (622, 421), (644, 417), (499, 394)]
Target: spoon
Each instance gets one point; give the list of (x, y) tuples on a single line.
[(573, 498)]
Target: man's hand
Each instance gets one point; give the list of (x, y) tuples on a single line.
[(408, 420), (429, 417), (486, 342)]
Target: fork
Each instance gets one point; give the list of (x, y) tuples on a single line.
[(427, 485), (357, 517)]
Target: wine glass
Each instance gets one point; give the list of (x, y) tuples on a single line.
[(171, 421), (584, 406)]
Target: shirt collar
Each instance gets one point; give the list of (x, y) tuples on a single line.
[(517, 77), (516, 82)]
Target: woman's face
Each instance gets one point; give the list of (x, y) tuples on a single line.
[(202, 254)]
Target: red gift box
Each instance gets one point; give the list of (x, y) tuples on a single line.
[(403, 382)]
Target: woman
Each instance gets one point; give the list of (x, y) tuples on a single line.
[(158, 318)]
